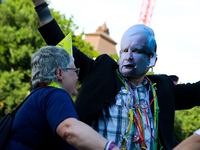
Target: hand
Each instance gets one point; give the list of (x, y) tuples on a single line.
[(37, 2)]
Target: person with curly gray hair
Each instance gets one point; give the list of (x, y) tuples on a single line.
[(48, 120), (48, 61), (45, 62)]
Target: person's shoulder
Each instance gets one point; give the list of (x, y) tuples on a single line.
[(105, 57), (51, 90), (53, 93), (158, 76)]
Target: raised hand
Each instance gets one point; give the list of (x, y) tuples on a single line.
[(37, 2)]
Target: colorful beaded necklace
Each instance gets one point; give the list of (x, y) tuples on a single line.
[(135, 117)]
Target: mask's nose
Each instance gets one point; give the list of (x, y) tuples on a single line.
[(129, 56)]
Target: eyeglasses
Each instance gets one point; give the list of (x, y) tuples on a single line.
[(77, 70)]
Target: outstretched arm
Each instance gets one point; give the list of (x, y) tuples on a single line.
[(191, 143), (81, 136)]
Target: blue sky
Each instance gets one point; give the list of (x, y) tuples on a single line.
[(175, 23)]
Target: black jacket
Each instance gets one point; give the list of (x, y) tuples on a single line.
[(100, 85)]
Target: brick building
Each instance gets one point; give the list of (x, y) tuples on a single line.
[(101, 40)]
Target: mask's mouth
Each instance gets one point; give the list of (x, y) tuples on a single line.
[(130, 66)]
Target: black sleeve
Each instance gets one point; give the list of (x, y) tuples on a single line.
[(188, 95), (51, 33)]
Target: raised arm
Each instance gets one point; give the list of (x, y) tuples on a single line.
[(81, 136), (43, 12), (49, 29), (52, 34)]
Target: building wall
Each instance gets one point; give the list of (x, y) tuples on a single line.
[(102, 45), (106, 47)]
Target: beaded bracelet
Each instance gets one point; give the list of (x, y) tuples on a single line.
[(110, 145), (41, 6)]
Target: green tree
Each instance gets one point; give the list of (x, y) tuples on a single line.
[(179, 133), (115, 57), (188, 120), (150, 73), (19, 39)]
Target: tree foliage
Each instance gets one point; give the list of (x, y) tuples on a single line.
[(115, 57), (186, 122), (150, 73), (179, 133), (19, 39)]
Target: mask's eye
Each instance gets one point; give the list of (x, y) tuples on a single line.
[(137, 51), (125, 50)]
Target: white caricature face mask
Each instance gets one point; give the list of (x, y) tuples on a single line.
[(136, 55)]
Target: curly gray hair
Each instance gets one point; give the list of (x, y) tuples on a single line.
[(45, 62)]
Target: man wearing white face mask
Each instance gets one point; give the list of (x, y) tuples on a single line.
[(137, 53), (119, 101)]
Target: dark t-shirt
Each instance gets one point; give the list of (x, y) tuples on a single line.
[(36, 121)]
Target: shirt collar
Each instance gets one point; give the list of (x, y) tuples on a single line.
[(144, 83)]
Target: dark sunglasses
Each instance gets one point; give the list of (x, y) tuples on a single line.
[(77, 70)]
